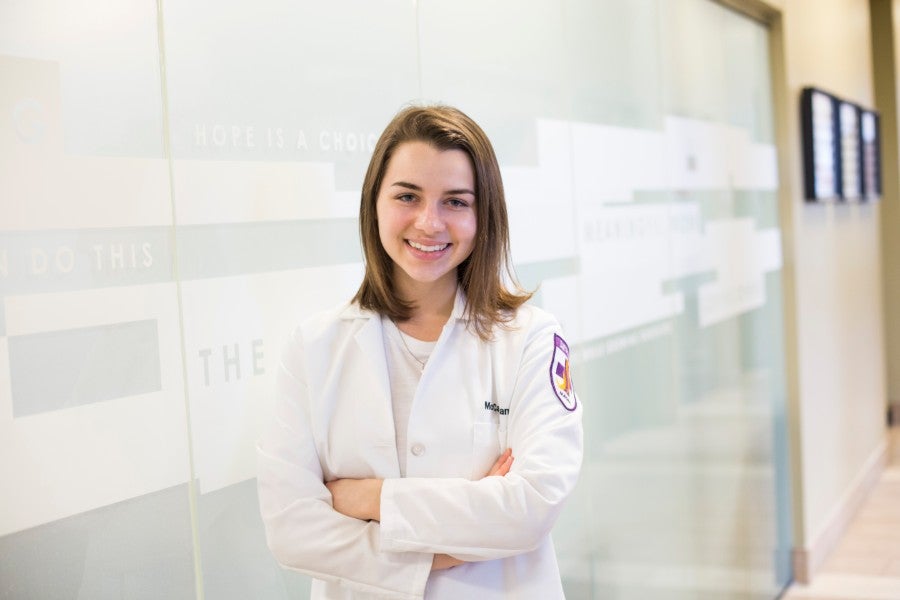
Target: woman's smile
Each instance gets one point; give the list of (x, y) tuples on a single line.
[(428, 249)]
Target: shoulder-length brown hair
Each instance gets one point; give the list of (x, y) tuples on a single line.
[(481, 275)]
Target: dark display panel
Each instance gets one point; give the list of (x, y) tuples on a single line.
[(841, 155), (870, 140)]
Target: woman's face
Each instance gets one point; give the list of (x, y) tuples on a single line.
[(426, 214)]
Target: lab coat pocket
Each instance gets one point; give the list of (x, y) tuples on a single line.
[(485, 448)]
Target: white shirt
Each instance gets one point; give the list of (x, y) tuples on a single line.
[(406, 357), (333, 419)]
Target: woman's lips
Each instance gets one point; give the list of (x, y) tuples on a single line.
[(427, 247), (429, 251)]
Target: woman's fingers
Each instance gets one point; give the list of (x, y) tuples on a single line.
[(502, 464), (444, 561), (507, 465)]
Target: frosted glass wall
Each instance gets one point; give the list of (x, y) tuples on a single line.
[(157, 243)]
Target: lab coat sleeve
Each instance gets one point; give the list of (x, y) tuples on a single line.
[(303, 531), (496, 517)]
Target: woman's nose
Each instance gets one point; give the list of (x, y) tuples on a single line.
[(429, 219)]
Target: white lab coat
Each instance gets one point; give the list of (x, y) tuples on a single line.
[(334, 420)]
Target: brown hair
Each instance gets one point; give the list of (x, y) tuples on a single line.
[(488, 301)]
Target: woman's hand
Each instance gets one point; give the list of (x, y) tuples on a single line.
[(503, 464), (357, 498), (444, 561), (501, 467)]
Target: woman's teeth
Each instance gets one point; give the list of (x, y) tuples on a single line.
[(424, 248)]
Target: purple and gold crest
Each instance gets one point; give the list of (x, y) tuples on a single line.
[(560, 379)]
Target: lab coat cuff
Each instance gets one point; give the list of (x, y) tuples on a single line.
[(391, 518), (421, 573), (392, 530)]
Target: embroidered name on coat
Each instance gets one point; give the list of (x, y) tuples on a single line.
[(496, 408)]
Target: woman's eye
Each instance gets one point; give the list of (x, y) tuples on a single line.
[(457, 203), (406, 197)]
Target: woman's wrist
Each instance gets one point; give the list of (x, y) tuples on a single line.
[(357, 498)]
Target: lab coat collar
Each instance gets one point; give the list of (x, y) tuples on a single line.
[(354, 311)]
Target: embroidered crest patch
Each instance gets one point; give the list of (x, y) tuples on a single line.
[(560, 380)]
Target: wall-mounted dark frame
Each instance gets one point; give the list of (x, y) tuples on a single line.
[(841, 148), (821, 152), (850, 143), (870, 142)]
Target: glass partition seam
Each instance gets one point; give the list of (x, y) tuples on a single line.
[(662, 96), (418, 48), (167, 152)]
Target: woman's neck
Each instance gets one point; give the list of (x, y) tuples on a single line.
[(432, 306)]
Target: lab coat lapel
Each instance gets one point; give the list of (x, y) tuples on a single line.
[(378, 410), (370, 339)]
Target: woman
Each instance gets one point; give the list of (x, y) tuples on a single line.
[(389, 471)]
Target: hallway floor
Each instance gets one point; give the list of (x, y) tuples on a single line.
[(865, 565)]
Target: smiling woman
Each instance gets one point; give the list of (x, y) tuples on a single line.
[(427, 226), (390, 467)]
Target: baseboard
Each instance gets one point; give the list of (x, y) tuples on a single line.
[(807, 560)]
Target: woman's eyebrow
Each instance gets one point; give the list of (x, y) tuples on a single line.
[(407, 185), (412, 186), (460, 191)]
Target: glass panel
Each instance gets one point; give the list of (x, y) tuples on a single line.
[(506, 74), (508, 77), (93, 438), (273, 121), (679, 305), (635, 139), (614, 62)]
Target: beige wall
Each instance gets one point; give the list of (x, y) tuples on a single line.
[(833, 305)]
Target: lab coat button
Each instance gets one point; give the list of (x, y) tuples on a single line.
[(417, 449)]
